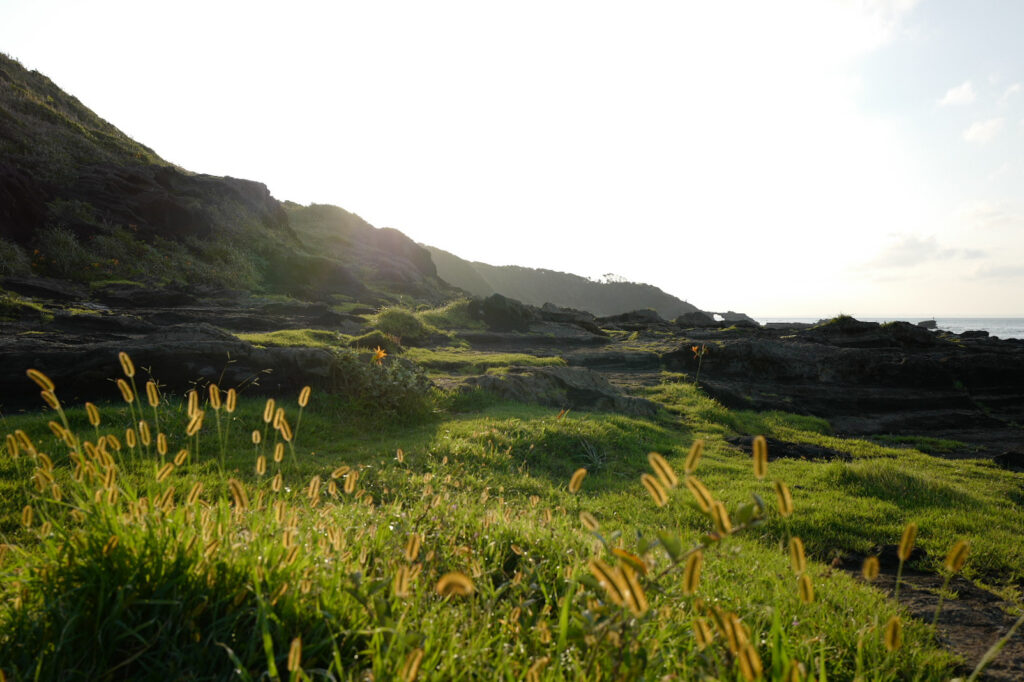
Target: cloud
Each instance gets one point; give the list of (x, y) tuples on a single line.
[(1000, 272), (989, 215), (1014, 89), (984, 131), (912, 250), (961, 94)]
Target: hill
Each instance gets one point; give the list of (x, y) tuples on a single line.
[(81, 201), (539, 286)]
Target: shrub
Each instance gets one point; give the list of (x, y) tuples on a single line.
[(395, 386), (13, 260), (400, 323)]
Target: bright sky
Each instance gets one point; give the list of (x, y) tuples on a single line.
[(796, 158)]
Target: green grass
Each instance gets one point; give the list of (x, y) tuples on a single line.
[(149, 585), (311, 338), (461, 361)]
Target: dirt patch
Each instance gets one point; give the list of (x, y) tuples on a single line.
[(968, 624), (781, 449)]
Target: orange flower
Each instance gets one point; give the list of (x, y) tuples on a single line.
[(379, 354)]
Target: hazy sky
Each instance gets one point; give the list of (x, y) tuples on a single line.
[(777, 158)]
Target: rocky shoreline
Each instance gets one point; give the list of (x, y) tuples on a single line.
[(865, 378)]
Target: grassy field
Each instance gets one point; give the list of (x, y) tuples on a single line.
[(326, 542)]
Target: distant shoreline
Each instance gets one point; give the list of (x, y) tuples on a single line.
[(1002, 327)]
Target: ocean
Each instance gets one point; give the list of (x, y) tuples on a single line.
[(1003, 327)]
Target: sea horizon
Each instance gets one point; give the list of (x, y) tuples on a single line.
[(1003, 327)]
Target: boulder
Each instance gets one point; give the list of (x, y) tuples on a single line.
[(503, 314), (696, 319)]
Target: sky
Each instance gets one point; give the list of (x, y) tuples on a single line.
[(799, 157)]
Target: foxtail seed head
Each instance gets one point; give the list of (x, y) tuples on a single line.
[(268, 411), (412, 547), (50, 398), (750, 663), (907, 541), (454, 583), (653, 486), (785, 499), (215, 401), (589, 521), (152, 395), (93, 413), (797, 557), (411, 667), (126, 391), (870, 568), (691, 573), (693, 459), (957, 556), (304, 396), (700, 493), (663, 470), (611, 581), (295, 655), (126, 364), (720, 515), (702, 632), (232, 401), (893, 634), (760, 457), (576, 482), (42, 381)]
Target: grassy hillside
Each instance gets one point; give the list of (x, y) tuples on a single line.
[(539, 286), (320, 538)]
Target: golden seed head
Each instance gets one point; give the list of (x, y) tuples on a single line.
[(50, 398), (412, 547), (454, 583), (576, 482), (295, 655), (663, 470), (702, 632), (785, 499), (411, 667), (693, 459), (869, 569), (161, 444), (893, 634), (797, 556), (589, 521), (144, 434), (285, 430), (691, 573), (304, 396), (256, 437), (760, 457), (806, 588), (129, 438), (180, 458), (268, 411), (400, 455), (27, 515), (93, 413), (276, 484), (193, 403), (612, 581), (907, 541), (126, 364), (164, 472), (232, 401), (152, 395), (350, 482), (957, 556), (340, 471), (239, 495), (126, 391), (655, 489), (720, 515), (261, 465), (193, 494), (196, 423), (700, 493), (42, 381), (215, 396), (636, 600), (750, 663), (278, 452)]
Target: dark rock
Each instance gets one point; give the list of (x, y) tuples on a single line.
[(635, 318), (562, 387), (928, 324), (1010, 460), (616, 360), (22, 203), (549, 312), (112, 324), (974, 334), (45, 287), (889, 557), (135, 297), (696, 319), (780, 449), (503, 314), (739, 319)]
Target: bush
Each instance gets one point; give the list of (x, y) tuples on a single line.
[(13, 260), (376, 339), (402, 324), (395, 386)]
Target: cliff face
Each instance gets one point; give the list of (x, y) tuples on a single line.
[(538, 286)]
